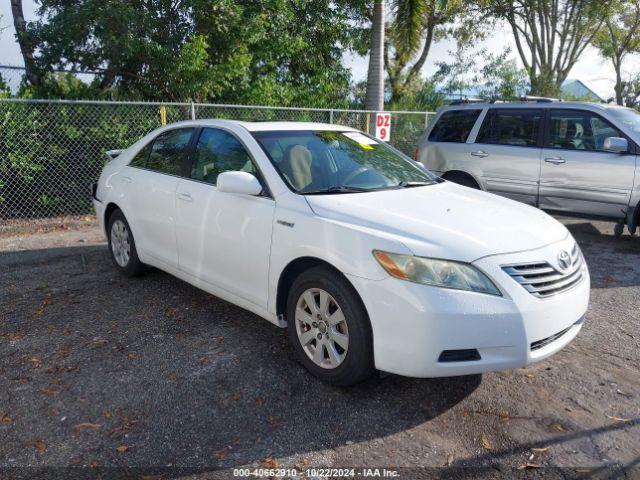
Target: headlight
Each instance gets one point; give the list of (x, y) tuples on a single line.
[(439, 273)]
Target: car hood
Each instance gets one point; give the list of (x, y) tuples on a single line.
[(444, 220)]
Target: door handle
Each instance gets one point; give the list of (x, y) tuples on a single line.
[(480, 153), (555, 160), (185, 196), (126, 179)]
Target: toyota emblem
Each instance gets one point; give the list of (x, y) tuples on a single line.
[(564, 260)]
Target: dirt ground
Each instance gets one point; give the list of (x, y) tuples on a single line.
[(104, 372)]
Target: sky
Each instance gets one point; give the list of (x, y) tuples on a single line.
[(591, 69)]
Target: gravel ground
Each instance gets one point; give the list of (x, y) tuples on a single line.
[(153, 374)]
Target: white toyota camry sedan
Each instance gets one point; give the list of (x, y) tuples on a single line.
[(370, 261)]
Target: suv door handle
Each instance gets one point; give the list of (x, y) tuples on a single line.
[(480, 153), (555, 160), (126, 179), (185, 196)]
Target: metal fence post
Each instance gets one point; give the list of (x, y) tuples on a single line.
[(331, 116), (193, 111)]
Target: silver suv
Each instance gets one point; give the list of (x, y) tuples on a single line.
[(577, 159)]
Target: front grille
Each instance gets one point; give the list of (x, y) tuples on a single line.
[(548, 340), (541, 279)]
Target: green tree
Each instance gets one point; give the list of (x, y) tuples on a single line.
[(619, 37), (486, 75), (550, 36), (500, 78), (415, 26), (270, 51)]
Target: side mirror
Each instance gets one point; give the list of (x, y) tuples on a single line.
[(238, 182), (616, 144)]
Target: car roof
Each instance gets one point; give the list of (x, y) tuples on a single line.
[(264, 126)]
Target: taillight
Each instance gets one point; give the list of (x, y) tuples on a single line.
[(415, 154)]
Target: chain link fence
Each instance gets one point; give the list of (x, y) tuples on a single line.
[(51, 151)]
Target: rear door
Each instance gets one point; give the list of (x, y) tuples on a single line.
[(507, 152), (578, 176), (153, 177)]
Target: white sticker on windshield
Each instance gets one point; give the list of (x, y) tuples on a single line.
[(360, 138)]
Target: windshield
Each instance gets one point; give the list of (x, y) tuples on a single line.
[(628, 116), (315, 162)]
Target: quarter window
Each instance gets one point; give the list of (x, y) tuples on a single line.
[(140, 159), (579, 130), (511, 127), (168, 150), (454, 126), (219, 151)]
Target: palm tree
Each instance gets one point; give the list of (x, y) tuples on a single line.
[(374, 99)]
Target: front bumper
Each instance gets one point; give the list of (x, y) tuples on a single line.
[(413, 324)]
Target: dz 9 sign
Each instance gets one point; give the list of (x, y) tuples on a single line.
[(383, 126)]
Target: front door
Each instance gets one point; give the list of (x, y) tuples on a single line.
[(578, 176), (224, 238), (508, 150)]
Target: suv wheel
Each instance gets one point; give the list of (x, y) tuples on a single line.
[(329, 328), (122, 246)]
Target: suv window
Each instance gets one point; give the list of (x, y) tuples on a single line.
[(454, 126), (511, 127), (167, 151), (219, 151), (579, 129)]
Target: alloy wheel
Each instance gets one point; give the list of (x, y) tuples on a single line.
[(321, 328), (120, 246)]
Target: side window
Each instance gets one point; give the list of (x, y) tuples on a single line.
[(511, 127), (579, 130), (140, 159), (168, 151), (219, 151), (454, 126)]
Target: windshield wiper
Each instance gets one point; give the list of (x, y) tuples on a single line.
[(337, 189), (413, 184)]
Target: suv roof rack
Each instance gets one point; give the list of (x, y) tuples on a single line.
[(464, 101), (524, 98), (532, 98)]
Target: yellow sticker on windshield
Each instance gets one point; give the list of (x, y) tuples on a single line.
[(362, 140)]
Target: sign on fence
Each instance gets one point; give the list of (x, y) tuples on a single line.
[(383, 126)]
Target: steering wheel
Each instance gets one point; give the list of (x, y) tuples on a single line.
[(354, 174)]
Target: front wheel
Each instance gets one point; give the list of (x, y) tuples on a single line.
[(122, 246), (329, 327)]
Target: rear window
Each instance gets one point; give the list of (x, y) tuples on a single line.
[(454, 126), (511, 127)]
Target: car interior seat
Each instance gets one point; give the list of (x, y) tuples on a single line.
[(296, 166)]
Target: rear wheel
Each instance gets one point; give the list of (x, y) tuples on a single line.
[(122, 246), (329, 327), (462, 179)]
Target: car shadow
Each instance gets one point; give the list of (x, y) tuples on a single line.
[(175, 375)]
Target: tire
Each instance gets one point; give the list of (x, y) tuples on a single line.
[(462, 179), (122, 246), (333, 363)]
